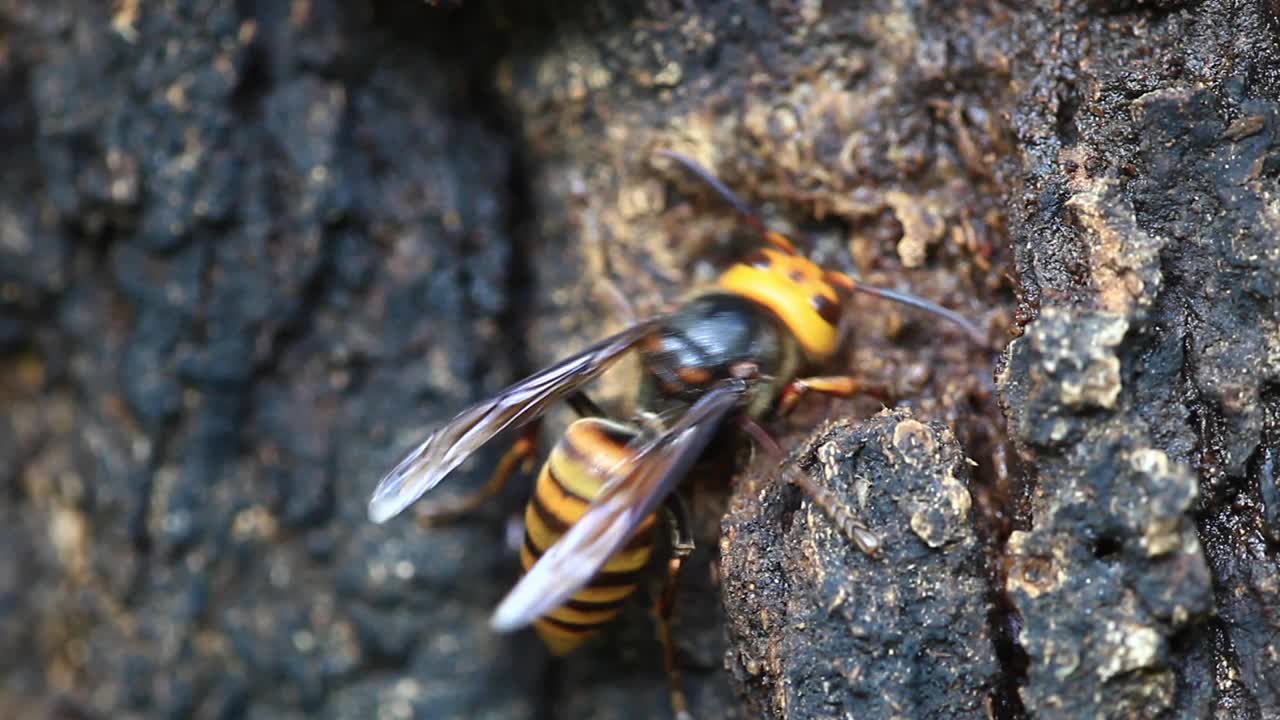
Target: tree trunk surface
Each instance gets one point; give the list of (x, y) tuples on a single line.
[(252, 252)]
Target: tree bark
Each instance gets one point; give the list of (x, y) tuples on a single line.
[(251, 252)]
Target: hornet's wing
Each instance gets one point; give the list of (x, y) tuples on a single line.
[(633, 491), (451, 444)]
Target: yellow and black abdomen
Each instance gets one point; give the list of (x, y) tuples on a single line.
[(572, 475)]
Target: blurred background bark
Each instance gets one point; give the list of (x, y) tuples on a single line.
[(250, 252)]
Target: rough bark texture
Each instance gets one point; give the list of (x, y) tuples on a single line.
[(250, 251), (1142, 396), (824, 630)]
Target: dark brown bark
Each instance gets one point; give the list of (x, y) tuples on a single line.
[(249, 252)]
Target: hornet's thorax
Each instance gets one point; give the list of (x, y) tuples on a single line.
[(776, 311)]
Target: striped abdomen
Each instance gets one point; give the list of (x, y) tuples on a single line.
[(570, 478)]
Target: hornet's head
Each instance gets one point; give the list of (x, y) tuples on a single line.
[(806, 298)]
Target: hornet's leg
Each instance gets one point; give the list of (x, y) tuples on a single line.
[(520, 455), (837, 386), (834, 385), (836, 511), (681, 546), (828, 503)]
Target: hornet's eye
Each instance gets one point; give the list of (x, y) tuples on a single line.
[(828, 309)]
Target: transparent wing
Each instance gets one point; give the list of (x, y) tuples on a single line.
[(451, 444), (633, 491)]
